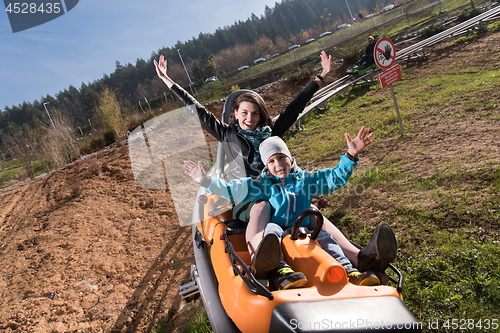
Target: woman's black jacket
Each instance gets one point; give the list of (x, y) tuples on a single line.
[(236, 146)]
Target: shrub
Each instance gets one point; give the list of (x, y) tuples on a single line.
[(432, 30), (467, 16), (234, 88), (351, 57), (299, 76), (108, 137), (111, 112)]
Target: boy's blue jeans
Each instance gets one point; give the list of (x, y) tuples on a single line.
[(324, 239)]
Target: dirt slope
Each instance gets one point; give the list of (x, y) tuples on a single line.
[(86, 250)]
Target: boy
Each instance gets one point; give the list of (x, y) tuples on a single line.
[(290, 190)]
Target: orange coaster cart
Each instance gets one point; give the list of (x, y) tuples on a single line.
[(236, 302)]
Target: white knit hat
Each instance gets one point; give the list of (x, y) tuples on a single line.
[(271, 146)]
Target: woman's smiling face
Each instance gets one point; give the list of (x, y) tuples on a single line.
[(247, 116)]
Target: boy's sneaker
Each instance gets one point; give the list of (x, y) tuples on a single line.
[(363, 279), (283, 277), (267, 256)]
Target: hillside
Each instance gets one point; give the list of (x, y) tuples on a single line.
[(84, 249)]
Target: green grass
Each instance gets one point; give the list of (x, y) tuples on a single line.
[(12, 169), (9, 169), (462, 284), (200, 323)]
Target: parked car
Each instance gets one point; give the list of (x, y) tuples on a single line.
[(211, 79), (326, 33), (293, 47), (343, 26), (310, 40), (258, 61), (388, 7), (369, 15)]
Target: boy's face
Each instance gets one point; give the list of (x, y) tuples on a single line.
[(279, 165)]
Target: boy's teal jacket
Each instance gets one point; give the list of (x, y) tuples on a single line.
[(288, 197)]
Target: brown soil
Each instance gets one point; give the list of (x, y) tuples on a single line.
[(86, 250)]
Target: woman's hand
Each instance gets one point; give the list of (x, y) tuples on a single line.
[(194, 170), (326, 62), (360, 142), (161, 70)]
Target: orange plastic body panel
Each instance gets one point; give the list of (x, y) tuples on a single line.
[(307, 256), (206, 227), (252, 313)]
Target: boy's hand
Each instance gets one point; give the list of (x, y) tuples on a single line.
[(360, 142), (194, 170)]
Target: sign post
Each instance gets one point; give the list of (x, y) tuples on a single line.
[(384, 55)]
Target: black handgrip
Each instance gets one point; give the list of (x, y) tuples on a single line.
[(302, 216)]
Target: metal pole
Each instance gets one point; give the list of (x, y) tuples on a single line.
[(48, 114), (397, 110), (441, 7), (352, 19), (294, 58), (407, 16), (269, 68), (182, 61)]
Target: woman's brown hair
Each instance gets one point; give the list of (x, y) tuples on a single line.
[(265, 119)]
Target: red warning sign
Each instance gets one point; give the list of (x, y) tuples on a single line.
[(384, 53), (390, 76)]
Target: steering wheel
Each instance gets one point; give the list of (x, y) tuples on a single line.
[(302, 216)]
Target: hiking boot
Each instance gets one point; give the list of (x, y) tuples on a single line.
[(267, 256), (363, 279), (283, 277), (381, 250)]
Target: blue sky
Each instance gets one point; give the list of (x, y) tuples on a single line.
[(84, 44)]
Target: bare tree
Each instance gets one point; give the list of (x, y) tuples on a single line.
[(58, 141)]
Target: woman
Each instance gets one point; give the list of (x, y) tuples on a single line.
[(252, 121), (241, 141)]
